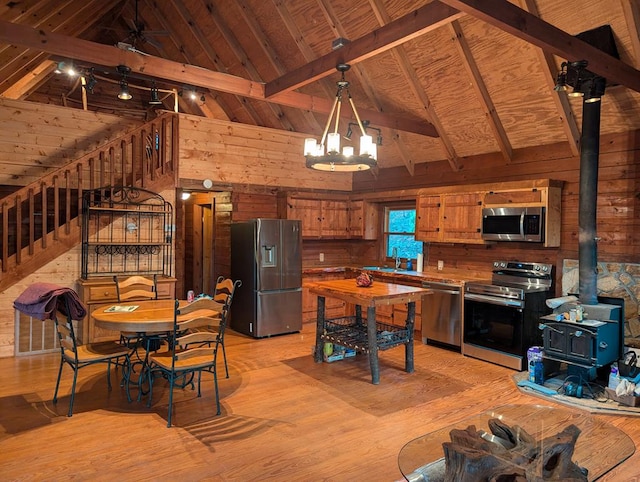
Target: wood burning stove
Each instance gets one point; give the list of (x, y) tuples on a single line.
[(595, 341)]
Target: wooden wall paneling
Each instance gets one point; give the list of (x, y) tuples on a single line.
[(37, 138), (249, 155)]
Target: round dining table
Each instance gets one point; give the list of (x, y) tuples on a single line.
[(147, 316)]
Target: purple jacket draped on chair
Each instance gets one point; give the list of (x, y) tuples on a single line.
[(41, 300)]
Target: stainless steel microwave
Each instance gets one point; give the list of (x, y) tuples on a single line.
[(513, 224)]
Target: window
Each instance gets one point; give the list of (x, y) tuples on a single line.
[(399, 232)]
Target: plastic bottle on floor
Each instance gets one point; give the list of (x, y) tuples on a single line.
[(614, 377)]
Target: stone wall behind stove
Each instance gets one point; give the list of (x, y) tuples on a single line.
[(619, 280)]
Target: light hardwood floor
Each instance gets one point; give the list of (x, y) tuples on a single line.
[(284, 417)]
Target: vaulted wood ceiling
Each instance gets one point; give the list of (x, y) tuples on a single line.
[(442, 79)]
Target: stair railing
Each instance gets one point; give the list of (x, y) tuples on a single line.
[(46, 212)]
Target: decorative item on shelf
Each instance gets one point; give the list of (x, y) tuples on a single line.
[(364, 280), (333, 159)]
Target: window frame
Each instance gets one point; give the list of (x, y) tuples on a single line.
[(387, 208)]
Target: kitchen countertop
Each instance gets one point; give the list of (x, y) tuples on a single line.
[(451, 275)]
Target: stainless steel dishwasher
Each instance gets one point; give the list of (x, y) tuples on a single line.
[(441, 314)]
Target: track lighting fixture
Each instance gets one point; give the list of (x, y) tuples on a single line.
[(124, 94), (91, 81), (155, 97), (583, 82)]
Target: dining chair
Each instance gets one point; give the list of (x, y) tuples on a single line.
[(224, 291), (192, 349), (78, 356), (137, 288)]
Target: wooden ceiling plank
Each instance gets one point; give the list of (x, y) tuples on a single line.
[(269, 53), (181, 73), (242, 56), (220, 109), (524, 25), (31, 60), (200, 37), (417, 23), (631, 10), (548, 64), (418, 91), (479, 86), (31, 81), (16, 11)]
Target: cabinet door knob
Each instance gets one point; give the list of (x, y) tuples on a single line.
[(106, 293)]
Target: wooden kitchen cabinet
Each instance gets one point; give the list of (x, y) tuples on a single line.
[(428, 218), (98, 291), (462, 218), (449, 218), (363, 220), (334, 308), (321, 217), (546, 196)]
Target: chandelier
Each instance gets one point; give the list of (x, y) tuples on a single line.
[(332, 159)]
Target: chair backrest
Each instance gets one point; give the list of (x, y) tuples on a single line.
[(190, 332), (136, 288), (66, 334), (225, 288)]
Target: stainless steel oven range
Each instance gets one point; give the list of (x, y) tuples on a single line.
[(501, 315)]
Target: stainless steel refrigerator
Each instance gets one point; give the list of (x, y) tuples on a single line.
[(266, 254)]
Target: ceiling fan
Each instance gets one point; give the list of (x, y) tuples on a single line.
[(138, 35)]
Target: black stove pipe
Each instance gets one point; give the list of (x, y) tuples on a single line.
[(587, 203)]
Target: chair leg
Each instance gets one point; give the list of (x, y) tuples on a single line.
[(73, 390), (224, 356), (171, 381), (55, 394), (215, 384), (109, 375), (126, 374)]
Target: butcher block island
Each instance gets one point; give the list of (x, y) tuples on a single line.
[(366, 335)]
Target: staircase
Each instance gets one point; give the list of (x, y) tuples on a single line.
[(42, 220)]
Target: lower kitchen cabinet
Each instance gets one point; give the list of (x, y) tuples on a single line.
[(99, 291), (333, 308)]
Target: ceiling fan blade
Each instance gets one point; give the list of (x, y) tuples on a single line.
[(152, 42), (132, 24)]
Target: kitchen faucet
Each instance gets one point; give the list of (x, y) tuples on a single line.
[(394, 255)]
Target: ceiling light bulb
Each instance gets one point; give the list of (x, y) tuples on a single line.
[(193, 96), (124, 91)]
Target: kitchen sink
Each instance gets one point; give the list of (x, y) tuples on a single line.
[(384, 269)]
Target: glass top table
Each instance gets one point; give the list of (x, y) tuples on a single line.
[(422, 459)]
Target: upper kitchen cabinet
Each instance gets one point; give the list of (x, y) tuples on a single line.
[(321, 217), (544, 193), (363, 220), (449, 218), (453, 214)]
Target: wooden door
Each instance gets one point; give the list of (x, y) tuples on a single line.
[(428, 218)]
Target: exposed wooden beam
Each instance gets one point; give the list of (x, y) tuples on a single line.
[(482, 93), (631, 10), (419, 94), (417, 23), (268, 51), (31, 81), (524, 25), (245, 61), (182, 73), (548, 65), (200, 38)]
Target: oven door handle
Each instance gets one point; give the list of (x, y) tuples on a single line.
[(494, 301), (524, 211)]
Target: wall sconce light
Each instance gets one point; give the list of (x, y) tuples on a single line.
[(124, 93)]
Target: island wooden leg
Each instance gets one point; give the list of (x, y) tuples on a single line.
[(408, 347), (373, 345), (317, 356)]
